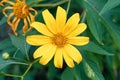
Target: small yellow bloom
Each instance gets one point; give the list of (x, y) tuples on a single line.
[(58, 38), (20, 10)]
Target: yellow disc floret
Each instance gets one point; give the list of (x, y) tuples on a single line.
[(21, 10), (59, 40)]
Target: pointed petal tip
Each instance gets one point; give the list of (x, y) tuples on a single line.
[(77, 15), (84, 26), (60, 8), (35, 56), (45, 11), (79, 61)]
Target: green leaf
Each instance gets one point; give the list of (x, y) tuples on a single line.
[(93, 22), (92, 47), (97, 59), (52, 71), (94, 26), (109, 5), (92, 70), (76, 73), (5, 44), (20, 43), (67, 74), (111, 22), (3, 20), (2, 78), (111, 29)]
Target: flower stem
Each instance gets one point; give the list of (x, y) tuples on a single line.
[(24, 74), (15, 53), (16, 58), (36, 1), (10, 75), (68, 7), (83, 16), (51, 4), (30, 65)]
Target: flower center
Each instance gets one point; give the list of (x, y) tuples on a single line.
[(59, 40), (21, 10)]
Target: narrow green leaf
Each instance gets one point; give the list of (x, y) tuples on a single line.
[(94, 26), (92, 70), (109, 5), (92, 47)]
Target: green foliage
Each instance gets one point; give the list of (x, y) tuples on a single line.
[(20, 43), (101, 56), (92, 47), (92, 70), (4, 63), (109, 5)]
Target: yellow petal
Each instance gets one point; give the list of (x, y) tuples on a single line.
[(71, 23), (42, 50), (79, 41), (73, 53), (60, 19), (68, 59), (49, 20), (6, 8), (37, 40), (79, 29), (47, 56), (58, 58), (41, 28), (25, 27)]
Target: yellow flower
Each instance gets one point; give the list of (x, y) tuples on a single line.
[(20, 11), (58, 38)]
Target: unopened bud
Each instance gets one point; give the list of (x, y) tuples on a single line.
[(5, 56)]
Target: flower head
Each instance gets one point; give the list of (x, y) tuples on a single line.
[(58, 37), (20, 10)]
